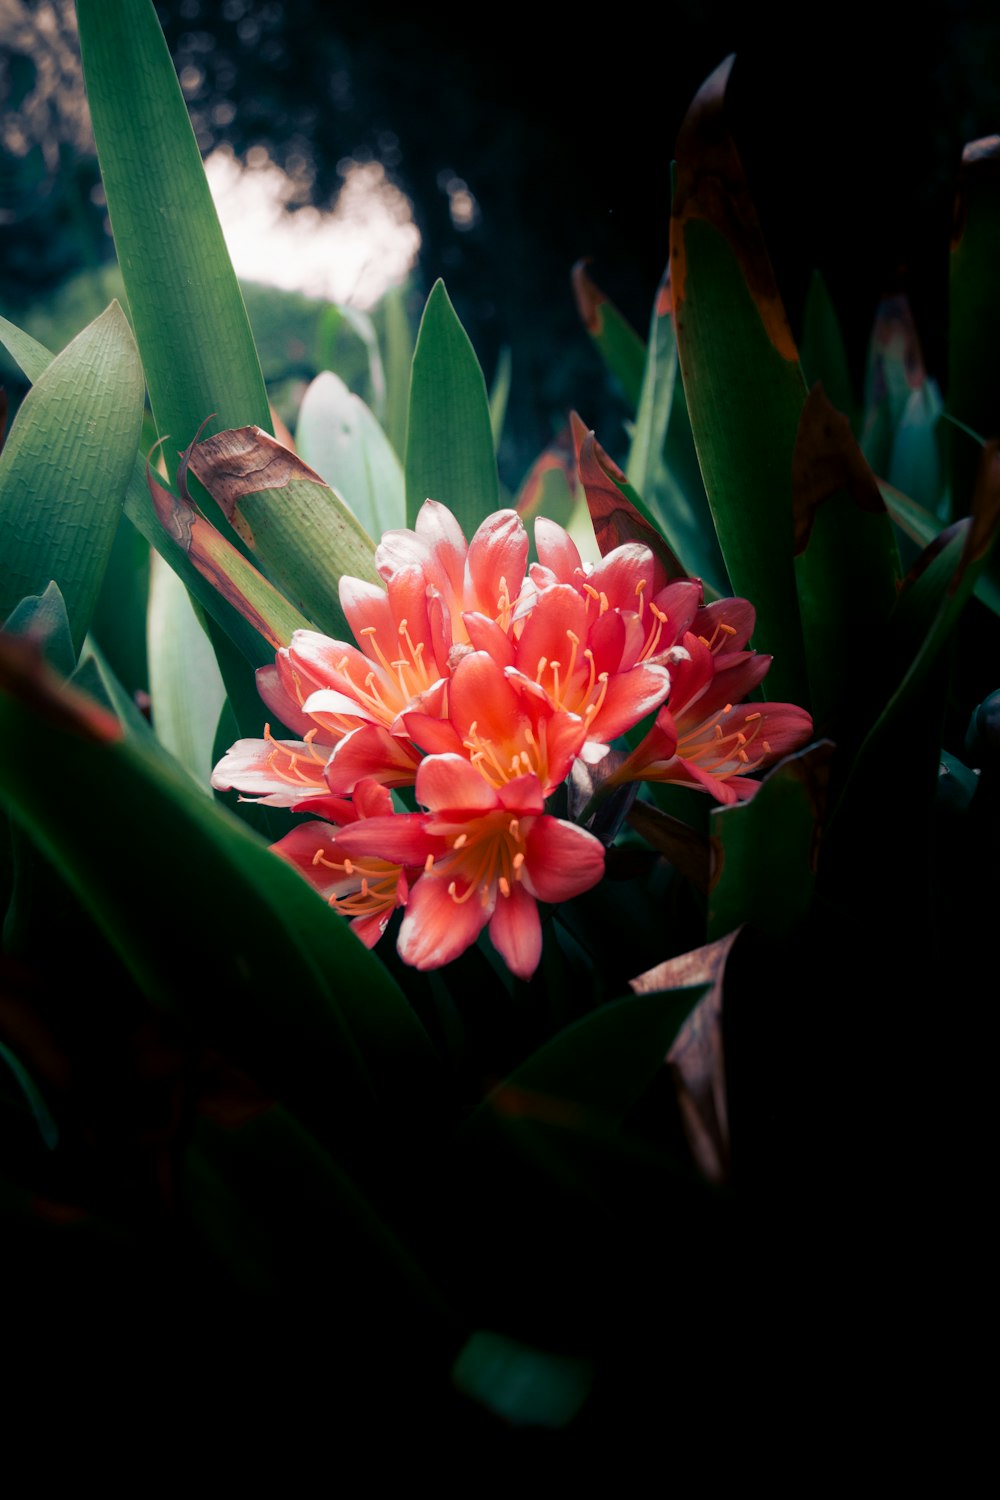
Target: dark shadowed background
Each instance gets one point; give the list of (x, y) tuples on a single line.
[(526, 138)]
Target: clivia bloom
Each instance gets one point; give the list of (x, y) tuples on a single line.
[(367, 891), (705, 737), (480, 687), (486, 857)]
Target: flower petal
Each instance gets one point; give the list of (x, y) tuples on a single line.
[(437, 929), (447, 783), (516, 932), (561, 859)]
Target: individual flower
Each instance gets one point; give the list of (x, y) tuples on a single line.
[(487, 856), (366, 890), (706, 737)]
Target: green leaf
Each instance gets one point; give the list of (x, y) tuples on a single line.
[(65, 467), (43, 618), (185, 684), (657, 395), (824, 357), (283, 511), (922, 527), (249, 610), (846, 564), (741, 376), (621, 348), (33, 358), (449, 445), (765, 866), (596, 1069), (339, 437), (206, 919), (188, 313)]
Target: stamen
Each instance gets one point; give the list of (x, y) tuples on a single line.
[(639, 590), (514, 829), (461, 841), (504, 885), (574, 641), (517, 862), (750, 718), (428, 864)]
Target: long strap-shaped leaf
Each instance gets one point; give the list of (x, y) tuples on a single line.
[(741, 375), (65, 467), (187, 308), (449, 446), (204, 916)]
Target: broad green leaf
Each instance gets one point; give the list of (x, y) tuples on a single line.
[(741, 376), (974, 312), (65, 467), (334, 321), (185, 684), (824, 357), (262, 965), (187, 309), (846, 564), (33, 358), (257, 614), (657, 395), (449, 445), (766, 848), (286, 514), (621, 348), (339, 437), (218, 564), (597, 1068), (662, 465), (43, 618)]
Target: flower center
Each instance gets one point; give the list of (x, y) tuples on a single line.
[(485, 857), (725, 754), (375, 891), (575, 690)]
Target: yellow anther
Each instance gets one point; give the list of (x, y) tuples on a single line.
[(428, 864), (514, 829), (348, 867), (504, 885), (751, 717), (461, 841), (517, 862), (743, 756)]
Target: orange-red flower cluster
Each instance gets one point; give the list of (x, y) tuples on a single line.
[(478, 682)]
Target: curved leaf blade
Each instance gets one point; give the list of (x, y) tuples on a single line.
[(449, 445), (65, 467), (338, 436), (187, 309), (741, 376)]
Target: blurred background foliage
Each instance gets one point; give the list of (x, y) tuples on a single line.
[(517, 155)]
